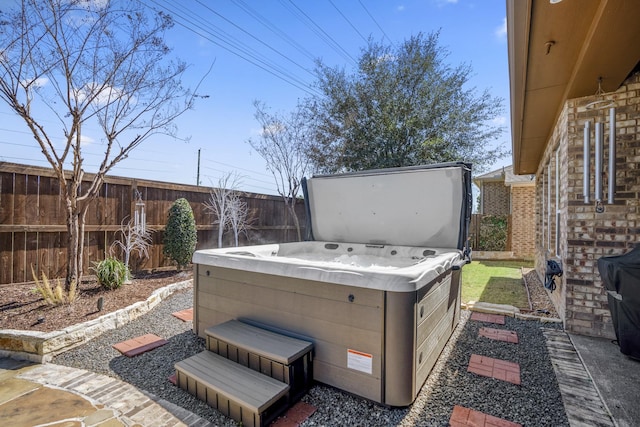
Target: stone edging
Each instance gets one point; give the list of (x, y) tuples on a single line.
[(41, 347), (507, 310)]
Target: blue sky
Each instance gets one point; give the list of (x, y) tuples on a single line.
[(473, 31)]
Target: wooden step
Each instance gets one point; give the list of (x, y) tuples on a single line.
[(281, 357), (243, 394)]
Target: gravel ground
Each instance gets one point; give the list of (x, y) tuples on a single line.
[(536, 402)]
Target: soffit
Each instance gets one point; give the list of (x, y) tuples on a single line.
[(557, 52)]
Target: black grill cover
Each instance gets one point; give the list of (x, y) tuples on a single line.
[(626, 323), (622, 274), (621, 277)]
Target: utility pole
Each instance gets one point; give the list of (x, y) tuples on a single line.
[(198, 176)]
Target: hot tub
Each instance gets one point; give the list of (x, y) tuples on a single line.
[(376, 289)]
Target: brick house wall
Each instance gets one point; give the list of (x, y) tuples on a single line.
[(495, 198), (573, 232), (523, 223)]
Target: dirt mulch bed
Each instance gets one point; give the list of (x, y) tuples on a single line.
[(23, 309), (541, 304)]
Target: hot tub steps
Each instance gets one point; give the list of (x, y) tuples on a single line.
[(248, 373), (243, 394), (281, 357)]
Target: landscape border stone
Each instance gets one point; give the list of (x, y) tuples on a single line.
[(507, 310), (40, 347)]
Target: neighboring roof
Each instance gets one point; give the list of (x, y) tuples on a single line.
[(496, 175), (557, 52), (504, 174)]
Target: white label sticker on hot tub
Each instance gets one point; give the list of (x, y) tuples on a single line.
[(360, 361)]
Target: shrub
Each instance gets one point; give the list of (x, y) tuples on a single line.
[(493, 233), (54, 295), (111, 273), (180, 235)]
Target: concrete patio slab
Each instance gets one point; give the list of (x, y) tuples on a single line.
[(616, 376)]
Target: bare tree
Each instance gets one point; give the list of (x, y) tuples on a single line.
[(239, 216), (282, 145), (219, 202), (135, 239), (96, 62)]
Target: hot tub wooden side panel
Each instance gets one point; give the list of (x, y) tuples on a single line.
[(335, 317), (417, 329)]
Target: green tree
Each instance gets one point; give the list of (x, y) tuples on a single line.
[(180, 235), (402, 106), (71, 65)]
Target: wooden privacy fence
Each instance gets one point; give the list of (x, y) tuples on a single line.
[(33, 231)]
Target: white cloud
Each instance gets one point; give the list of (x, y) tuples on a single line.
[(94, 4), (499, 121), (443, 3), (501, 31), (86, 140), (272, 129), (39, 82), (105, 96), (400, 8), (387, 57)]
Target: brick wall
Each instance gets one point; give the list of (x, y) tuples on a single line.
[(523, 223), (585, 235), (495, 198)]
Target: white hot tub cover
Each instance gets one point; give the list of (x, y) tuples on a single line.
[(426, 206)]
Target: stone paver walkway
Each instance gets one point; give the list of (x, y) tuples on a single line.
[(139, 345), (465, 417), (295, 415), (185, 315), (499, 334), (495, 368), (489, 318), (51, 394)]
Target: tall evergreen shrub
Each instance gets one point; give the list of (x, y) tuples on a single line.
[(180, 235)]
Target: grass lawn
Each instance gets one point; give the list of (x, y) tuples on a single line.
[(498, 282)]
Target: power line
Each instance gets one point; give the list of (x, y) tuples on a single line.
[(237, 48), (274, 29), (316, 29), (374, 21), (237, 167), (348, 21), (254, 37)]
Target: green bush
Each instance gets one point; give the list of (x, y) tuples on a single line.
[(180, 235), (111, 273), (493, 233)]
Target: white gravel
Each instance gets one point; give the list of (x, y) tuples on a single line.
[(536, 402)]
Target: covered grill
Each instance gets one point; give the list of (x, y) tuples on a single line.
[(376, 288), (621, 276)]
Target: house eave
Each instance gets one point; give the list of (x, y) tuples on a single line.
[(558, 52)]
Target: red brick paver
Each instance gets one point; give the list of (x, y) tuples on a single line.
[(184, 315), (295, 415), (495, 368), (485, 317), (499, 334), (173, 379), (463, 417), (139, 345)]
